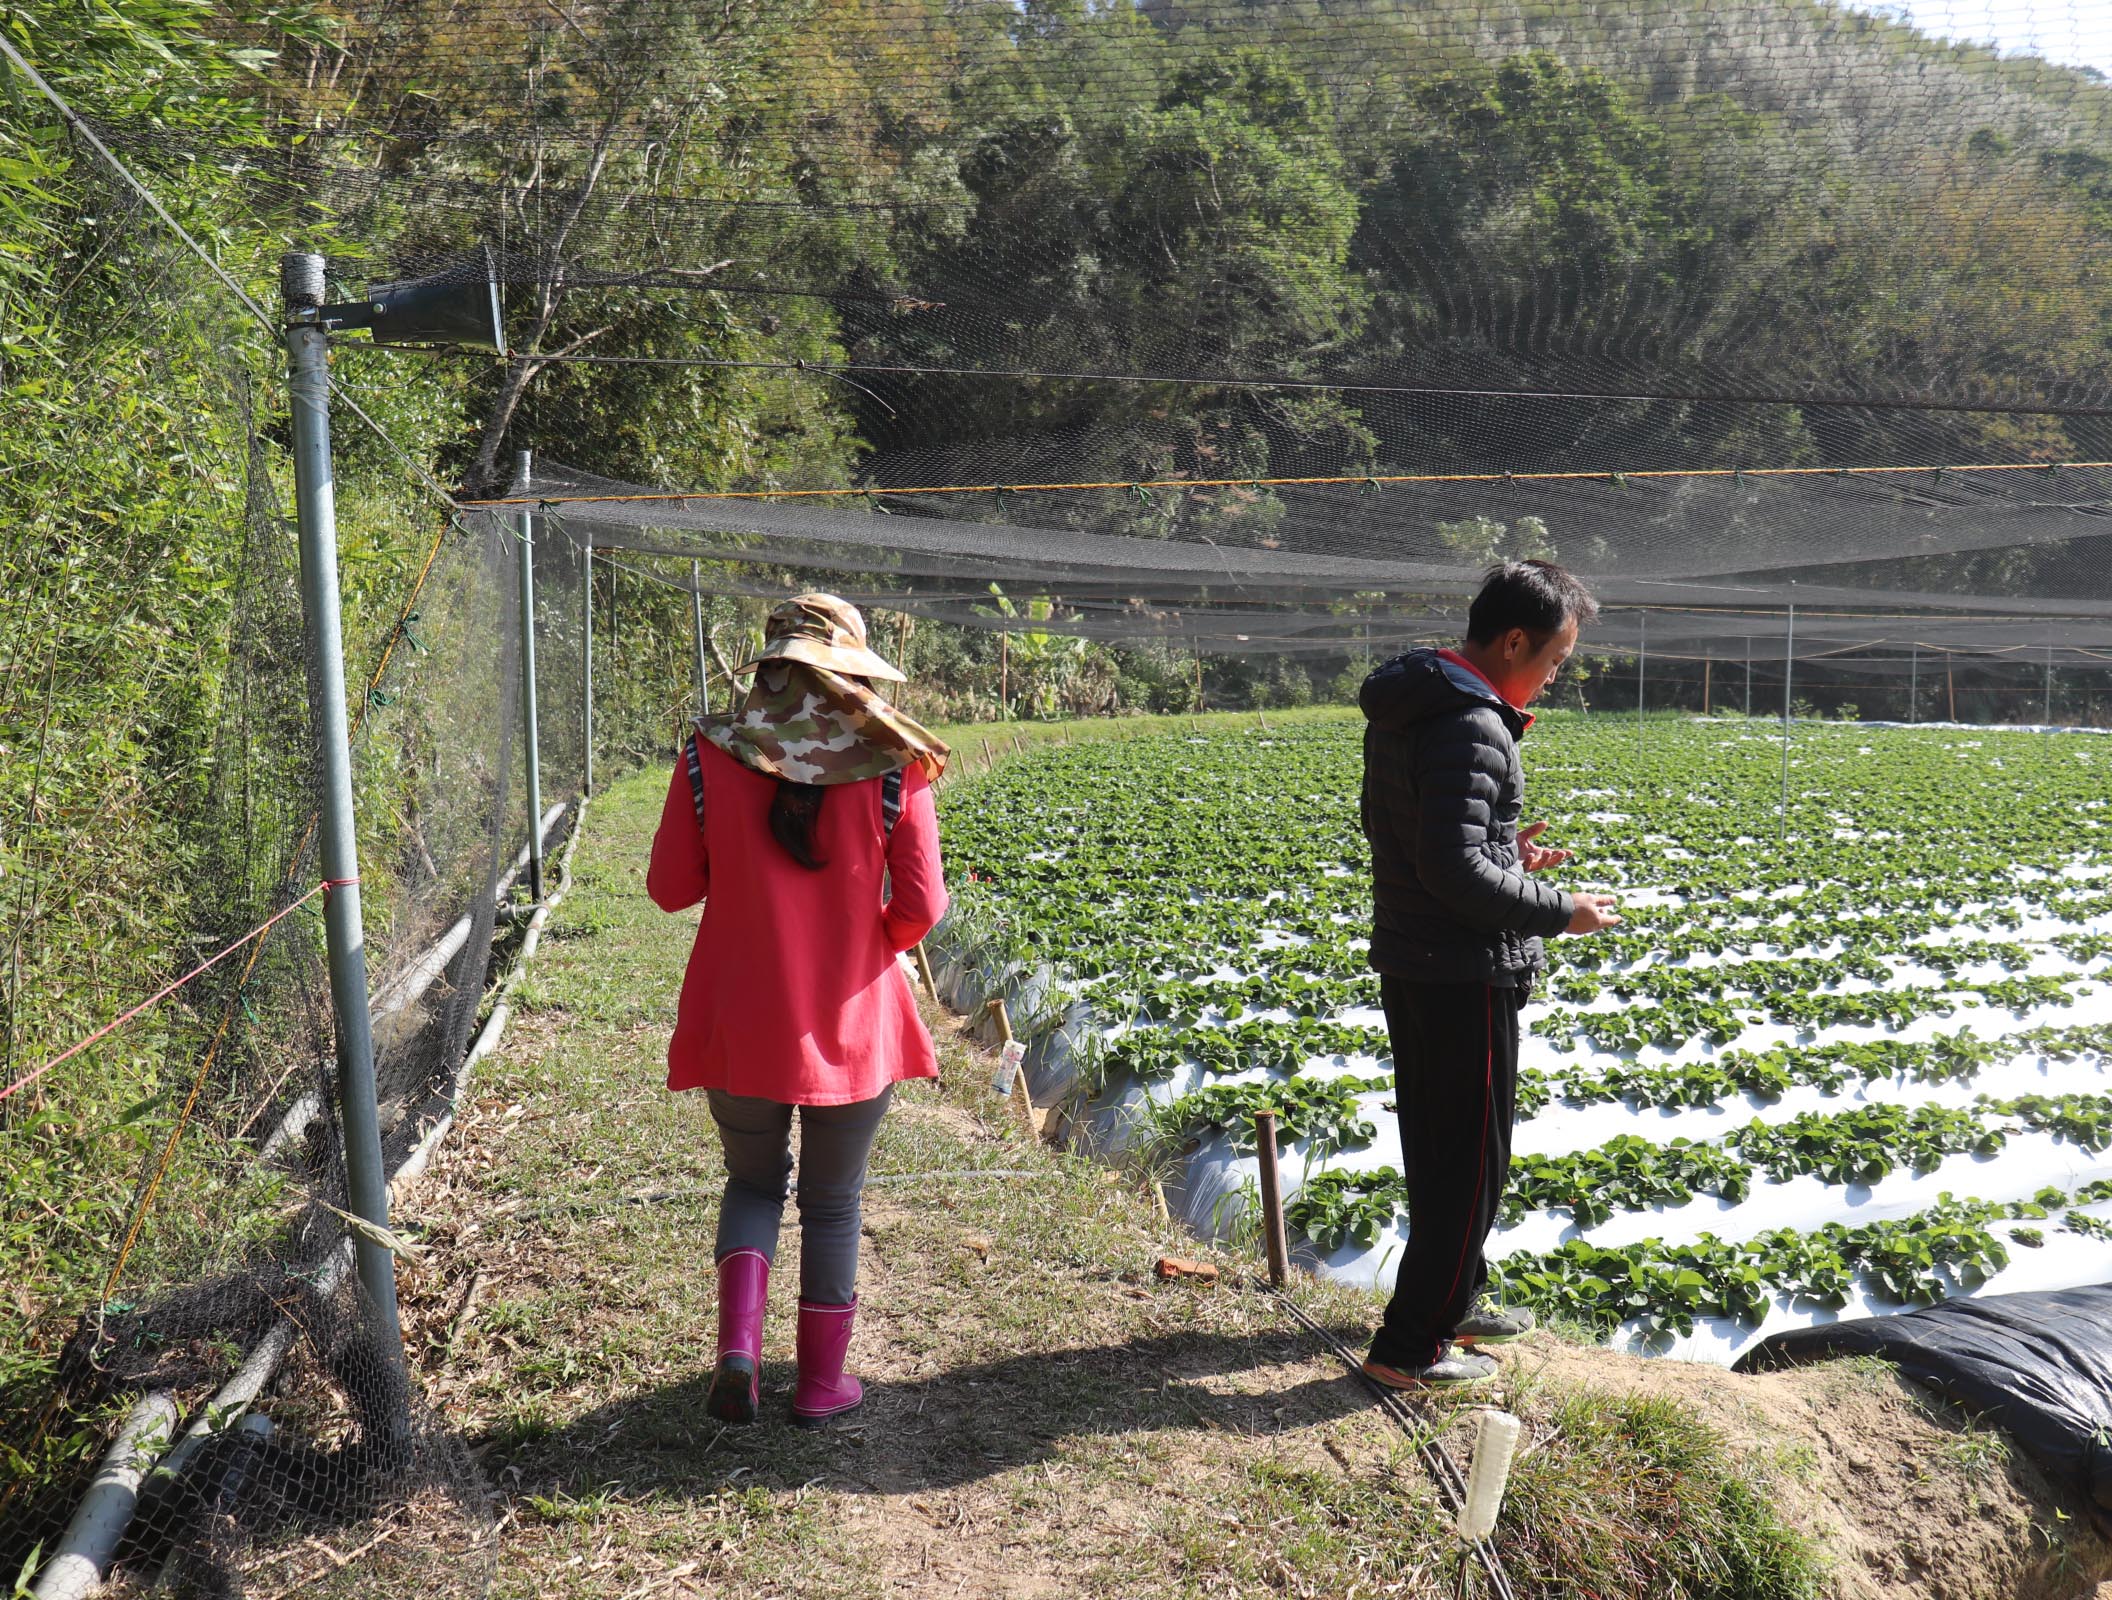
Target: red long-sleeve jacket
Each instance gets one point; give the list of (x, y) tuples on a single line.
[(793, 992)]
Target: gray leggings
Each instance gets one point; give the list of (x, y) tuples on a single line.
[(834, 1142)]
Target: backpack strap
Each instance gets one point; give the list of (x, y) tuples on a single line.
[(890, 790), (695, 764), (891, 801)]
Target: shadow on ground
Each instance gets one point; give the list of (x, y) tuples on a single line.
[(938, 1432)]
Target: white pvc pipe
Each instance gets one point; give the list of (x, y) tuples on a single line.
[(82, 1557), (232, 1398), (404, 990), (106, 1509), (494, 1028)]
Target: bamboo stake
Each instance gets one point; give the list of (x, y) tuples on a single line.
[(931, 986), (1271, 1198)]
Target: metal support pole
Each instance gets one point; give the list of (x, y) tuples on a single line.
[(696, 624), (1789, 668), (524, 465), (586, 662), (1748, 675), (308, 350), (1642, 657), (2047, 717), (1914, 683)]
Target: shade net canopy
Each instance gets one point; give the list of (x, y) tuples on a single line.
[(1322, 598), (1270, 304)]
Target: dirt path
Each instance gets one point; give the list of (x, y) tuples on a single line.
[(1045, 1417)]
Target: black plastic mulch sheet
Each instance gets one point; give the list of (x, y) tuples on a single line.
[(2038, 1364)]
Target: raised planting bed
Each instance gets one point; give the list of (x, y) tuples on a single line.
[(1862, 1066)]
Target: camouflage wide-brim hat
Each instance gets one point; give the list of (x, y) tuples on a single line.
[(822, 631)]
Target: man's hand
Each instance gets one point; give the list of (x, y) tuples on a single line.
[(1593, 912), (1534, 857)]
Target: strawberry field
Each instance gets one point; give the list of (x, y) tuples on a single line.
[(1850, 1060)]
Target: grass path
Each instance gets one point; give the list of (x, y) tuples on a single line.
[(1044, 1416)]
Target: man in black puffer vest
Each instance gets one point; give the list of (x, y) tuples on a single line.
[(1455, 939)]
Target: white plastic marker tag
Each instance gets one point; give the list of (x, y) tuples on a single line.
[(1494, 1444), (1009, 1061)]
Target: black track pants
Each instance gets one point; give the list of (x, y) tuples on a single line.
[(1455, 1069)]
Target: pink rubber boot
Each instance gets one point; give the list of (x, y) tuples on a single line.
[(824, 1390), (736, 1381)]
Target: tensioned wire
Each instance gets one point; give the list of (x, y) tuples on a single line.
[(1874, 402)]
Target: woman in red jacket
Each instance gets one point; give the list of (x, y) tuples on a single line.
[(786, 818)]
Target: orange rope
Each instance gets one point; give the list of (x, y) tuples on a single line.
[(168, 1148), (1264, 483)]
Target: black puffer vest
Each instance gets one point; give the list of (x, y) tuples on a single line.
[(1443, 791)]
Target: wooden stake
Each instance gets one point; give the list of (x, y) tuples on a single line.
[(1273, 1235), (1022, 1103), (1706, 663), (931, 986), (1004, 671), (1950, 686)]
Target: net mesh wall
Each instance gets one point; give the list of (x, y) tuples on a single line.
[(176, 1232)]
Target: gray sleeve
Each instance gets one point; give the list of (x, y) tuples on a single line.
[(1460, 773)]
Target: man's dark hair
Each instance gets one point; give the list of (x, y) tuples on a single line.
[(1537, 596)]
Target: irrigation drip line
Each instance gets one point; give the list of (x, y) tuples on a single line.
[(1310, 385), (1437, 1460), (162, 994)]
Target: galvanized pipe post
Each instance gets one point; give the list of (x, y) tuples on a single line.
[(315, 498), (1789, 667), (1914, 683), (696, 627), (1642, 657), (586, 661), (524, 470)]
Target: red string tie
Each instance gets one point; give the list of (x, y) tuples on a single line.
[(162, 994)]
